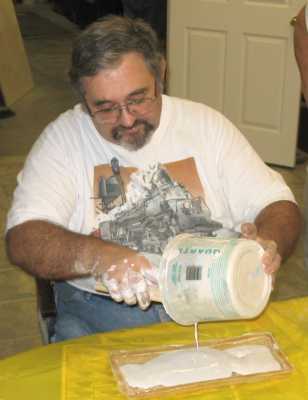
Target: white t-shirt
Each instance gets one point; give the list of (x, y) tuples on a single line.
[(57, 182)]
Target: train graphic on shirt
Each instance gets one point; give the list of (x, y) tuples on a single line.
[(154, 209)]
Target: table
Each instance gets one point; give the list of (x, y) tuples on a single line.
[(39, 374)]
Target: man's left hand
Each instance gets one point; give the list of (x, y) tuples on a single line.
[(271, 258)]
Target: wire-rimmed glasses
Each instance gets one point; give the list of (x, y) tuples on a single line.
[(107, 114)]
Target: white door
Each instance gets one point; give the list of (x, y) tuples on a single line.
[(237, 56)]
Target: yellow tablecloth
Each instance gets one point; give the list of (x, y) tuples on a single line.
[(39, 373)]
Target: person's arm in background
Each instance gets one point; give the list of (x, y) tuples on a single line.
[(300, 38), (301, 47)]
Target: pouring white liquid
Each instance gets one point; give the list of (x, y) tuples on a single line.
[(196, 336)]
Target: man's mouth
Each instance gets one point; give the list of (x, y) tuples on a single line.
[(119, 131), (135, 137), (130, 133)]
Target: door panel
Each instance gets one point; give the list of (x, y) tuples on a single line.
[(237, 56)]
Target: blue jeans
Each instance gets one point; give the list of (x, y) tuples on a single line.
[(80, 313)]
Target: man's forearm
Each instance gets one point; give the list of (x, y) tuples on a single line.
[(52, 252), (280, 221)]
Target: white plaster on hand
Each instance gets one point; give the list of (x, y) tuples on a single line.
[(140, 288), (127, 282)]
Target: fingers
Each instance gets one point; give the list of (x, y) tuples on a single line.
[(273, 279), (127, 292), (271, 258), (127, 282), (112, 284), (155, 294), (249, 231), (142, 294), (151, 275), (139, 287)]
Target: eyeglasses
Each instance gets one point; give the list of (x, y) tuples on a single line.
[(136, 107)]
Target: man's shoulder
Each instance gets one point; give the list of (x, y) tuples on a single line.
[(192, 111), (190, 105), (70, 125), (71, 117), (67, 131)]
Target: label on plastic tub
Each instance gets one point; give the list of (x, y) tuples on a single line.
[(206, 279)]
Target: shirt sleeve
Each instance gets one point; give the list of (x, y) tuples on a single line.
[(306, 16), (248, 184), (45, 187)]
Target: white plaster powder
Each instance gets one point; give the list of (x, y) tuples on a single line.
[(181, 367)]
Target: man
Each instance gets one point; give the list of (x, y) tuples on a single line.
[(109, 182), (301, 56)]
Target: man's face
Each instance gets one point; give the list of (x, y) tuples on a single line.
[(129, 82)]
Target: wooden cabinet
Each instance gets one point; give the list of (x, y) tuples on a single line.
[(15, 74)]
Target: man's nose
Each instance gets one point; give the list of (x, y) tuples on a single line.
[(126, 118)]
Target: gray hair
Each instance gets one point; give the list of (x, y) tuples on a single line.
[(104, 42)]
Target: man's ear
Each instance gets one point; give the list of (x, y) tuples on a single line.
[(163, 67), (163, 75)]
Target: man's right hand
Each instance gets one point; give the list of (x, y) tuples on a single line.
[(131, 279)]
